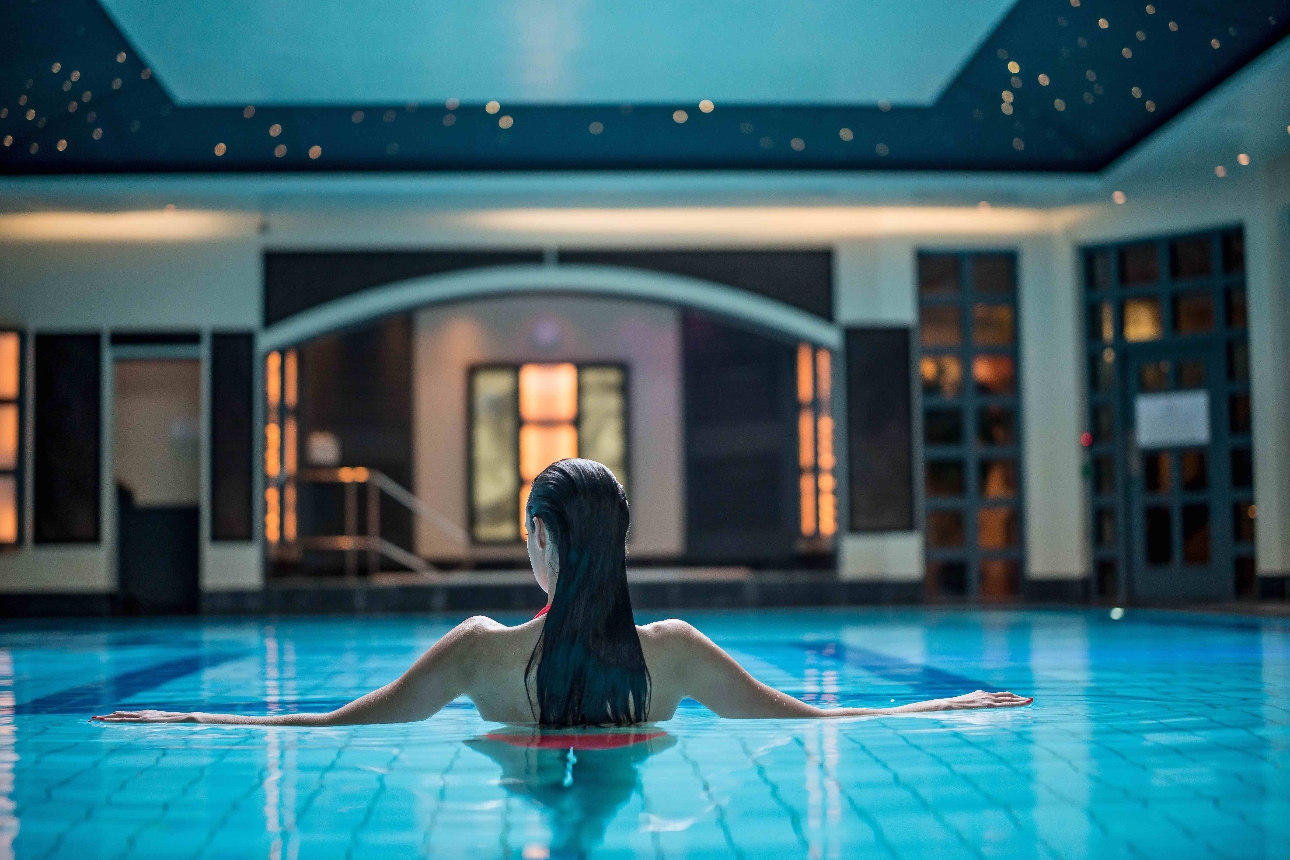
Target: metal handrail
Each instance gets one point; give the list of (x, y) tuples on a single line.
[(351, 543)]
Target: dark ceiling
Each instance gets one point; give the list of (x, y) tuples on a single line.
[(69, 105)]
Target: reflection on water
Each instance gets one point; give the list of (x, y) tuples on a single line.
[(579, 780)]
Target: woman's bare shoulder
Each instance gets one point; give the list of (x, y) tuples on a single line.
[(665, 638)]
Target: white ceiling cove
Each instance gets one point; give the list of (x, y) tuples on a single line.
[(323, 52)]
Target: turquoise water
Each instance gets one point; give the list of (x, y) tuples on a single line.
[(1158, 735)]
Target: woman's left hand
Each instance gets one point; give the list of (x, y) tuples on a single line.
[(147, 717)]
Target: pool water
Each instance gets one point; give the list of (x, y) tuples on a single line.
[(1157, 735)]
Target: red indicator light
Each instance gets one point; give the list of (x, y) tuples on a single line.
[(1086, 439)]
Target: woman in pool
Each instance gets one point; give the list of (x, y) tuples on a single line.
[(582, 661)]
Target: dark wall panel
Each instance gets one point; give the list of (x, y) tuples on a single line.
[(740, 444), (68, 438), (232, 435), (803, 279), (297, 281), (879, 429)]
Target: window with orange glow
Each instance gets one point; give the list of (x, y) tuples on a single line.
[(525, 417), (817, 486), (281, 392), (10, 437)]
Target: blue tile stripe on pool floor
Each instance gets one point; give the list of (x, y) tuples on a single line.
[(109, 692)]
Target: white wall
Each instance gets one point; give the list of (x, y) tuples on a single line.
[(645, 337)]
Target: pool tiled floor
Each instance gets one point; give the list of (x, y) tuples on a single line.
[(1158, 735)]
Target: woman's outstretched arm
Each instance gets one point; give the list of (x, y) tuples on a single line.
[(440, 675), (711, 676)]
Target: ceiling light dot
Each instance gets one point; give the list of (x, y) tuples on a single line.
[(1137, 92), (389, 116), (1088, 98), (220, 149), (1127, 53), (76, 76), (679, 116), (882, 149), (120, 58), (798, 144), (506, 121), (493, 107), (1220, 171), (1018, 144), (31, 114), (62, 144), (86, 96), (280, 150), (1097, 88), (596, 127), (884, 105), (67, 85), (1006, 108), (275, 130), (1103, 23), (89, 117), (1150, 106), (449, 119), (1061, 21), (98, 132), (8, 140), (1014, 67), (1142, 37), (357, 117), (1075, 3), (1008, 96), (40, 123), (145, 74), (1059, 104), (4, 112), (1016, 82), (846, 134), (1081, 41), (56, 68), (766, 142), (34, 148), (452, 104), (72, 106), (392, 149), (116, 83), (706, 106), (1091, 75), (1001, 54), (746, 127), (248, 111), (1173, 26), (1118, 197), (22, 100), (1215, 44), (1243, 159), (1151, 10), (315, 151), (1044, 80)]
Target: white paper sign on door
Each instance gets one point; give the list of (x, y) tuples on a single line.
[(1172, 419)]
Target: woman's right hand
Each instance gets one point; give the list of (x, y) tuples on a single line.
[(979, 699), (147, 717)]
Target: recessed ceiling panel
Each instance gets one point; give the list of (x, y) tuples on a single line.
[(322, 52)]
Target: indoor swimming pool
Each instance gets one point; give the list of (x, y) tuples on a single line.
[(1154, 735)]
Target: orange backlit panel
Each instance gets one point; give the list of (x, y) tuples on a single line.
[(273, 378), (9, 361), (8, 509), (8, 436), (290, 379), (289, 446), (828, 505), (825, 443), (808, 504), (272, 450), (548, 392), (289, 512), (823, 375), (541, 445), (805, 440), (272, 516), (805, 380)]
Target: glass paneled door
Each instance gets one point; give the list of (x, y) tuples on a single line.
[(1178, 482)]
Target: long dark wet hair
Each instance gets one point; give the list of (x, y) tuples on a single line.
[(587, 665)]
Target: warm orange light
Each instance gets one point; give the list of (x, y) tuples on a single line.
[(272, 516), (542, 445), (8, 436), (828, 505), (289, 512), (8, 509), (823, 375), (289, 395), (272, 450), (805, 384), (548, 392), (352, 475), (9, 360), (808, 504), (824, 428), (273, 378), (289, 446), (805, 439)]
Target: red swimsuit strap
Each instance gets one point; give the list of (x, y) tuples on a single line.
[(542, 611)]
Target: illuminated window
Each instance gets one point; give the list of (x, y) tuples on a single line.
[(10, 437), (281, 390), (522, 419), (817, 487)]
